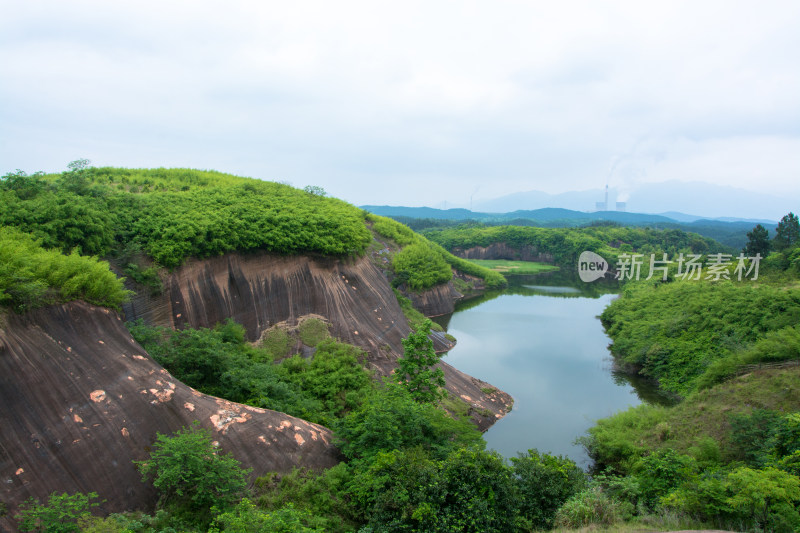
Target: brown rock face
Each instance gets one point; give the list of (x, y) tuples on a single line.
[(259, 290), (501, 250), (81, 400), (437, 301)]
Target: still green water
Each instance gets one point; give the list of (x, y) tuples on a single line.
[(541, 342)]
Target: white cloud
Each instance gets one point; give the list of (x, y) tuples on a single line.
[(379, 101)]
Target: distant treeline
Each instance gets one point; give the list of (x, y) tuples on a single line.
[(729, 233), (566, 244)]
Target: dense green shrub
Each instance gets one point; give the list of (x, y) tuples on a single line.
[(178, 213), (590, 507), (432, 272), (416, 370), (219, 362), (324, 495), (391, 420), (312, 331), (673, 332), (661, 472), (743, 498), (247, 518), (61, 514), (31, 276), (420, 267), (544, 483), (192, 476)]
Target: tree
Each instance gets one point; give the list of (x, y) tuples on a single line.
[(192, 476), (391, 420), (415, 369), (76, 180), (787, 234), (315, 190), (60, 515), (544, 483), (757, 242)]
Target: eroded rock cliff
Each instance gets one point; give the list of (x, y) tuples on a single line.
[(81, 400), (501, 250), (260, 290)]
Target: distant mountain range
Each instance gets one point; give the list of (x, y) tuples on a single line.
[(713, 201), (728, 231)]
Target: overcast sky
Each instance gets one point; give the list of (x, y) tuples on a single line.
[(409, 102)]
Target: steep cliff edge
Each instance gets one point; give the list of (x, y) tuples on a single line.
[(259, 290), (436, 301), (501, 250), (82, 400)]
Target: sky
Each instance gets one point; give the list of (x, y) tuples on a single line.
[(410, 103)]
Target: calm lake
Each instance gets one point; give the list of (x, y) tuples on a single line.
[(541, 341)]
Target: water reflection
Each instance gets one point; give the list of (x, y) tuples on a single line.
[(540, 340)]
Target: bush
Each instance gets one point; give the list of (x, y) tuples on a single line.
[(312, 331), (544, 483), (247, 518), (192, 476), (323, 495), (391, 420), (590, 507), (276, 342), (31, 276), (61, 514), (420, 267)]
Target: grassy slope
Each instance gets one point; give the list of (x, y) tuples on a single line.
[(504, 266), (642, 429)]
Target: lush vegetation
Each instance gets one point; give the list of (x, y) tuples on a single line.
[(177, 213), (31, 276), (564, 245), (192, 476), (410, 465), (676, 332), (720, 457), (421, 264), (219, 362), (415, 369), (727, 455)]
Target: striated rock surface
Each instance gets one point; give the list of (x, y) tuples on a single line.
[(353, 295), (501, 250), (81, 400), (437, 301)]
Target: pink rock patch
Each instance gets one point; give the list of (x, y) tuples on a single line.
[(98, 395)]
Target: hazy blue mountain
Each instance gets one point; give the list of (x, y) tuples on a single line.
[(669, 198), (731, 232)]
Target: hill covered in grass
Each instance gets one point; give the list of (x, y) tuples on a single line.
[(173, 214)]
